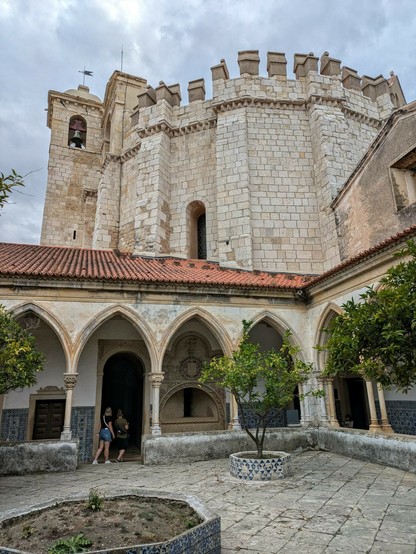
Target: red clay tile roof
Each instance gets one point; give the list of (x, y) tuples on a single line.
[(401, 237), (52, 262)]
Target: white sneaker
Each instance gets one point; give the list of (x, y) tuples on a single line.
[(108, 462), (94, 462)]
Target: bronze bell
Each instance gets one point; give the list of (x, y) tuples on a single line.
[(77, 139)]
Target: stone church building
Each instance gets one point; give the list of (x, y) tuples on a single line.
[(167, 223)]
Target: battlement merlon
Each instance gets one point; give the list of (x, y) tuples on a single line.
[(315, 78)]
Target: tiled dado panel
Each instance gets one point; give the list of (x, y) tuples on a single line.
[(402, 415), (14, 424), (82, 427), (279, 418)]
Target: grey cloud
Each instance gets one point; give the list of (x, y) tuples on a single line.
[(45, 45)]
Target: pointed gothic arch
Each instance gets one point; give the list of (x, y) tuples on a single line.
[(330, 312), (216, 328), (280, 326), (136, 320), (51, 320)]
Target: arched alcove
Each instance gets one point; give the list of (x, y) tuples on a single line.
[(268, 337), (349, 390), (186, 404), (112, 349), (38, 412)]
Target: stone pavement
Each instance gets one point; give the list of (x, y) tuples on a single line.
[(330, 504)]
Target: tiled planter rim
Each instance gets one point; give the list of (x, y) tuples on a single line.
[(204, 538), (247, 467)]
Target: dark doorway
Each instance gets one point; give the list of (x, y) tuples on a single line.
[(123, 389), (356, 394), (49, 419)]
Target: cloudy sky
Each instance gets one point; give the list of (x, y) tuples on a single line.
[(44, 45)]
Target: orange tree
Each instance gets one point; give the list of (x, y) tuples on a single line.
[(19, 359), (261, 382), (376, 337)]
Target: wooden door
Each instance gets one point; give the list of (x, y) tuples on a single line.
[(49, 419)]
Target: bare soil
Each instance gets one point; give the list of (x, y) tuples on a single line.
[(124, 521)]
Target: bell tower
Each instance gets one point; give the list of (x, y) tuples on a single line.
[(74, 118)]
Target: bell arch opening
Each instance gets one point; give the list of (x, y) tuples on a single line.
[(77, 132)]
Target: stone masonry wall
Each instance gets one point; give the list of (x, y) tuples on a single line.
[(266, 156), (73, 176), (367, 210)]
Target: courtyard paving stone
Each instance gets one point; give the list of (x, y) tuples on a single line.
[(330, 503)]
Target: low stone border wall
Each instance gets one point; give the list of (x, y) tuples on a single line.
[(194, 447), (20, 458), (397, 451)]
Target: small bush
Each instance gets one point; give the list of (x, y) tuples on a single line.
[(95, 501), (71, 545)]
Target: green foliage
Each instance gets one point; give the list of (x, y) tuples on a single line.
[(28, 531), (7, 183), (376, 337), (95, 501), (71, 545), (261, 382), (19, 359)]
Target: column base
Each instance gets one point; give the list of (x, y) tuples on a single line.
[(235, 425), (66, 435), (386, 427), (156, 430), (375, 428)]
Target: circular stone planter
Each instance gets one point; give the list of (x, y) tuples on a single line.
[(274, 465), (204, 538)]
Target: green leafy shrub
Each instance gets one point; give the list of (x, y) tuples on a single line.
[(71, 545), (95, 501)]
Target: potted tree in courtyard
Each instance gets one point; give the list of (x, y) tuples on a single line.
[(262, 383)]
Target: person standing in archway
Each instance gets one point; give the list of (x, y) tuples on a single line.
[(122, 428), (106, 434)]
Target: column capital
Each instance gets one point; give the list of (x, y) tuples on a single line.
[(156, 379), (70, 380)]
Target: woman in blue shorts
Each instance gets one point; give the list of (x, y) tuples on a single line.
[(106, 434)]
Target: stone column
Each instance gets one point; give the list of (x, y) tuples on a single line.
[(70, 380), (235, 421), (333, 421), (385, 425), (305, 418), (156, 379), (374, 425), (322, 401)]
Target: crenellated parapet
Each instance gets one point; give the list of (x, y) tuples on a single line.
[(316, 79)]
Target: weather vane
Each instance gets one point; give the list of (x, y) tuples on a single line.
[(84, 73)]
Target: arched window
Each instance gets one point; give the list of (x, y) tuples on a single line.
[(201, 224), (197, 231), (77, 132)]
